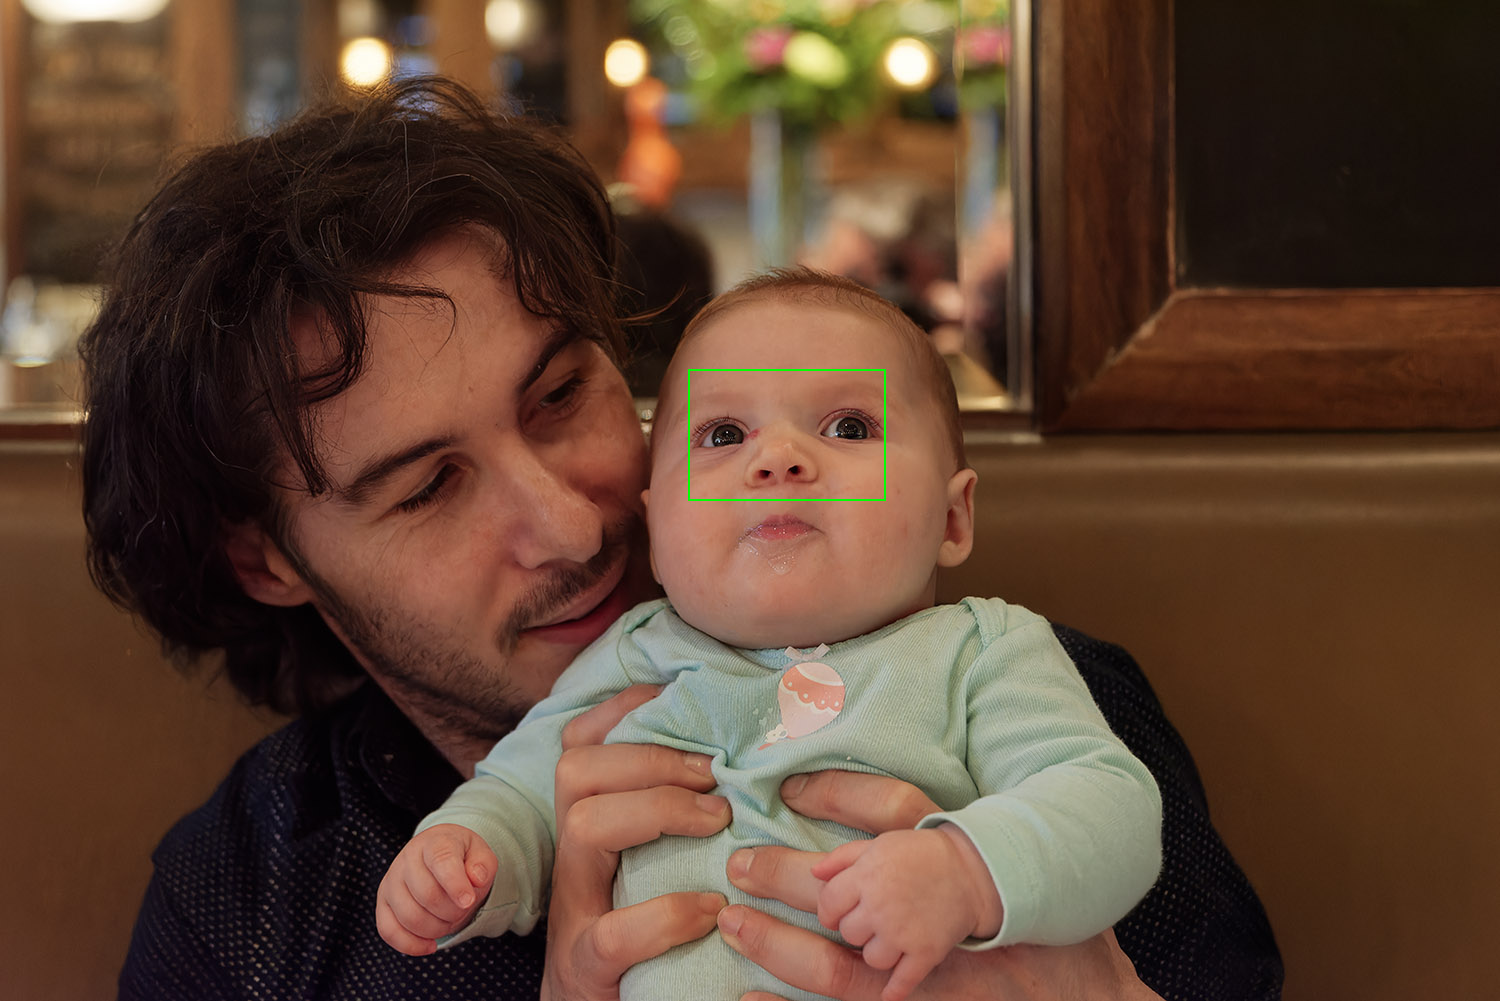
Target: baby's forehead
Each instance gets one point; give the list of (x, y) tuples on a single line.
[(804, 388), (735, 330), (809, 301)]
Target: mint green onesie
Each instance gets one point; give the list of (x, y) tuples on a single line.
[(976, 703)]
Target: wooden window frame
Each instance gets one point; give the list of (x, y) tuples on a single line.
[(1120, 346)]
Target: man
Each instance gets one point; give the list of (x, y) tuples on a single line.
[(354, 421)]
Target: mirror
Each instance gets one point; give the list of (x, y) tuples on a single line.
[(882, 139), (871, 139)]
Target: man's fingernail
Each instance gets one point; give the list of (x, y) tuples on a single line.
[(711, 804), (739, 863), (465, 899), (711, 903), (697, 762), (793, 786), (730, 920)]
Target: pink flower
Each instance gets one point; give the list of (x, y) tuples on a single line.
[(765, 47), (985, 46)]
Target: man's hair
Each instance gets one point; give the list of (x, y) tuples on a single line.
[(194, 399), (802, 284)]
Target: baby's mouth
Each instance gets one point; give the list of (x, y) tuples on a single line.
[(776, 540), (778, 528)]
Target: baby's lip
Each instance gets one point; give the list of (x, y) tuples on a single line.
[(779, 527)]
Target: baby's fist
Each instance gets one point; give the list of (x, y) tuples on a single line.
[(433, 888)]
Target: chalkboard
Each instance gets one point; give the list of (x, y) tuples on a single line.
[(96, 121), (1337, 143)]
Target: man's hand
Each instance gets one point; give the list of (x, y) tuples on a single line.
[(433, 888), (1095, 970), (610, 798)]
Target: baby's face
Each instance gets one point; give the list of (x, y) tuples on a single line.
[(822, 502)]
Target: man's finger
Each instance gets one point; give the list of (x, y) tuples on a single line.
[(782, 873), (601, 950), (612, 822), (799, 957), (597, 768), (590, 727), (873, 803), (630, 935)]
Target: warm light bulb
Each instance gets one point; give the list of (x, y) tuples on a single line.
[(65, 11), (507, 22), (625, 62), (910, 64), (365, 62)]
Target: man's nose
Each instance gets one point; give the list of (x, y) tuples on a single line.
[(783, 457), (546, 515)]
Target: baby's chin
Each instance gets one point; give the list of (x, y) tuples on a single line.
[(777, 629)]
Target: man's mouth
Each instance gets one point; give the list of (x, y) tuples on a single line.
[(589, 614)]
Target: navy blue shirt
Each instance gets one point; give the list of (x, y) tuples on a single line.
[(267, 891)]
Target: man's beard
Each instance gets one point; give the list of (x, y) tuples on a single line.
[(418, 666)]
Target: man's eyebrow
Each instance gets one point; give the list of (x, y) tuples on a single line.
[(374, 473), (560, 338)]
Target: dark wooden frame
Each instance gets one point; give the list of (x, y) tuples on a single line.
[(1121, 347), (11, 93)]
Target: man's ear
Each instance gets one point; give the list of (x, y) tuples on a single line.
[(262, 568), (958, 534)]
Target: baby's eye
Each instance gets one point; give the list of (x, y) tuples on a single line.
[(848, 426), (720, 435)]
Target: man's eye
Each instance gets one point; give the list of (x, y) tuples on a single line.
[(560, 396), (719, 435), (431, 492), (847, 426)]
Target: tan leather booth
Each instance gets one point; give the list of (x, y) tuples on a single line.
[(1316, 612)]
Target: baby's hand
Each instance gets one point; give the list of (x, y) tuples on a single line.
[(906, 898), (433, 888)]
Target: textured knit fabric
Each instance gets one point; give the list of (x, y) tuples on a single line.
[(976, 703), (267, 891)]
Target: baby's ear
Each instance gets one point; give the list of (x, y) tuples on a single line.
[(262, 568), (958, 534)]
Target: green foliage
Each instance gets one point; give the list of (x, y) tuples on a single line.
[(816, 61)]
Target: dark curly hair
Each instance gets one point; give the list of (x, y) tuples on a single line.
[(192, 391)]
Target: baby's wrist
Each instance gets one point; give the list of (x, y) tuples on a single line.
[(989, 913)]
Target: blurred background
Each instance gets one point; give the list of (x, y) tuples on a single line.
[(867, 137), (1219, 284)]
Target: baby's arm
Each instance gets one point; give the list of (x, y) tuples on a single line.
[(1070, 821), (507, 812), (433, 888), (906, 898)]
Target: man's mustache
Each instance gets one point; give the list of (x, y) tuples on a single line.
[(544, 599)]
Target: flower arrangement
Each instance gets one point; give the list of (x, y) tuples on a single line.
[(813, 61), (982, 50)]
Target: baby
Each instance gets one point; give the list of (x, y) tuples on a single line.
[(807, 481)]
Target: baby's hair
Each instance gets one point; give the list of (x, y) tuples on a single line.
[(801, 284)]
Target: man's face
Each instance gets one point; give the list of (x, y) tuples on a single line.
[(484, 524), (793, 558)]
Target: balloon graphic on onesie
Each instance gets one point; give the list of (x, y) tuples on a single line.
[(810, 694)]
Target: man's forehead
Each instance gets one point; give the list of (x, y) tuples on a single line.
[(429, 369)]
